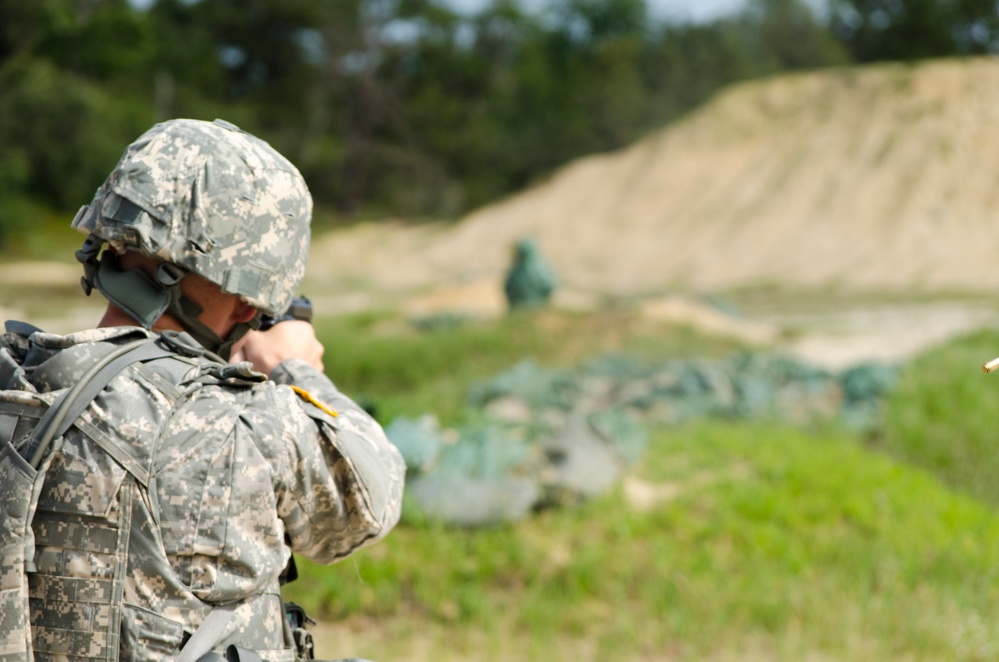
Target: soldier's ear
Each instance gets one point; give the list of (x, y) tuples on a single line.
[(243, 312)]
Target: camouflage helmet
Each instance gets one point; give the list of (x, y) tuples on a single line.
[(212, 200)]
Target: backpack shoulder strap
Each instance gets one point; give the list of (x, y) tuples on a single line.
[(65, 410)]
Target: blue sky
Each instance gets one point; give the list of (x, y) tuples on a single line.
[(694, 10)]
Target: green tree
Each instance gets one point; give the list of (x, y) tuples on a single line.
[(789, 36), (913, 29), (388, 107), (106, 40), (61, 132), (71, 99)]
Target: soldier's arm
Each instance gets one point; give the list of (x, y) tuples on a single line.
[(348, 478)]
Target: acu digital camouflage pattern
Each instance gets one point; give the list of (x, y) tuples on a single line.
[(211, 199), (177, 490), (16, 483)]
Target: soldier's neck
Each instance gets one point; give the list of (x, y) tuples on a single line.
[(115, 316)]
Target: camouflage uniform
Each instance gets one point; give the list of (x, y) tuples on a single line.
[(186, 483), (179, 488)]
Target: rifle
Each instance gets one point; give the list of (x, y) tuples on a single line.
[(299, 309)]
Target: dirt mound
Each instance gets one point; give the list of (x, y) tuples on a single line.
[(875, 178)]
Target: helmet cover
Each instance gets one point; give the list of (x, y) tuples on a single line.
[(213, 200)]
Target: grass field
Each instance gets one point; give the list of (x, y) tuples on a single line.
[(727, 542)]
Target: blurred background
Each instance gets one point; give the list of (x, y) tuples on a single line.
[(675, 308), (415, 109)]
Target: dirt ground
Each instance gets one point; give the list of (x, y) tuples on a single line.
[(833, 335), (879, 179)]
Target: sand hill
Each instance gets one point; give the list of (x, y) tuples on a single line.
[(879, 178)]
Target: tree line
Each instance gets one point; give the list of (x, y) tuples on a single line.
[(406, 107)]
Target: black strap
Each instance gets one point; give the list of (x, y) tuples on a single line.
[(20, 328)]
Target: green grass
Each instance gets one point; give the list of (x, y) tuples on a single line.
[(753, 542), (765, 539), (403, 370), (944, 416), (727, 542)]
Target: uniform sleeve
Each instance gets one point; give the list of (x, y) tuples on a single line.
[(355, 497)]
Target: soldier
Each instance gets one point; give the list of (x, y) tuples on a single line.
[(159, 520)]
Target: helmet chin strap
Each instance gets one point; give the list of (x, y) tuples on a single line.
[(186, 311), (146, 299)]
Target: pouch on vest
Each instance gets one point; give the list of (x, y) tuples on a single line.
[(18, 484)]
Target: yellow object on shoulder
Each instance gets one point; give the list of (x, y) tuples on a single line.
[(308, 397)]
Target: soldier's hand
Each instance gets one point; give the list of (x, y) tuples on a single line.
[(287, 340)]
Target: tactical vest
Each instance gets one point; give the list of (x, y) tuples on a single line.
[(72, 548)]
